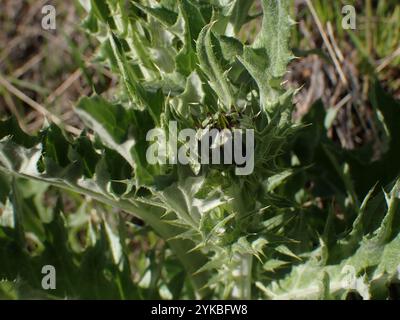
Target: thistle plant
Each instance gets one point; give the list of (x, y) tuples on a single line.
[(254, 236)]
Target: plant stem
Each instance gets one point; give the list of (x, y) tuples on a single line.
[(246, 276)]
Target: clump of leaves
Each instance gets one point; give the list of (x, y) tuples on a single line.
[(256, 236)]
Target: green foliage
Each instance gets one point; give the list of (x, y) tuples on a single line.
[(33, 235), (228, 236)]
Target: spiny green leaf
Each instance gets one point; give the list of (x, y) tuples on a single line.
[(267, 58), (211, 62)]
